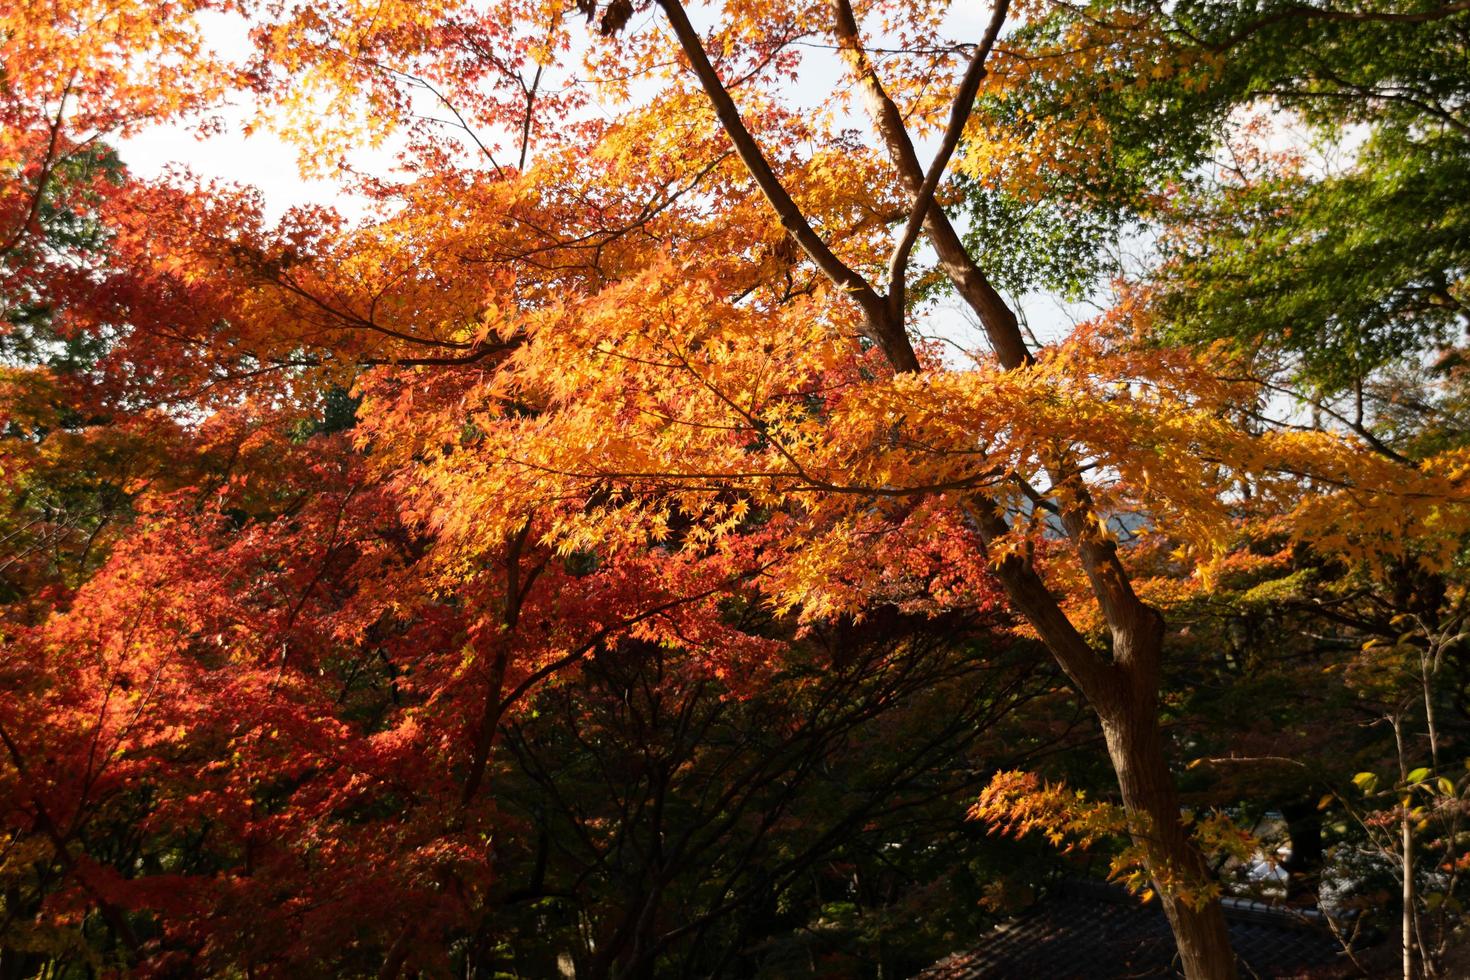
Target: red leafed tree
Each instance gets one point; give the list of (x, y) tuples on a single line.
[(577, 382)]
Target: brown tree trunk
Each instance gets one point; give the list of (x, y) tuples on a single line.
[(1136, 747)]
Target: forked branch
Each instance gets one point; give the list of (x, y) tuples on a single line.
[(959, 114), (880, 325)]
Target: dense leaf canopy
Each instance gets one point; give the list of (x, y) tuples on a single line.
[(568, 555)]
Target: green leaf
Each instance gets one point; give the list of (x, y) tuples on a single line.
[(1418, 775), (1366, 781)]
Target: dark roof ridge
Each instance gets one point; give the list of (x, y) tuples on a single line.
[(1240, 909)]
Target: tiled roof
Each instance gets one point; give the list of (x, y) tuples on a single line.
[(1090, 932)]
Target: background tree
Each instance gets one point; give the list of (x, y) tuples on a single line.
[(683, 832)]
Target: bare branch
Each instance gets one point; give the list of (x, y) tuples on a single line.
[(959, 114), (879, 323)]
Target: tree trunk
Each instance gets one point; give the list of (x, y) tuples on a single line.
[(1304, 866), (1407, 843), (1135, 745)]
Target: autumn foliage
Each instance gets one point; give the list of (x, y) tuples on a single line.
[(607, 399)]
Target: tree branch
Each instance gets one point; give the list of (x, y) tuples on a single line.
[(959, 114), (1002, 328), (880, 327)]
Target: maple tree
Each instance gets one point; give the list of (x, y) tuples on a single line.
[(355, 492)]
